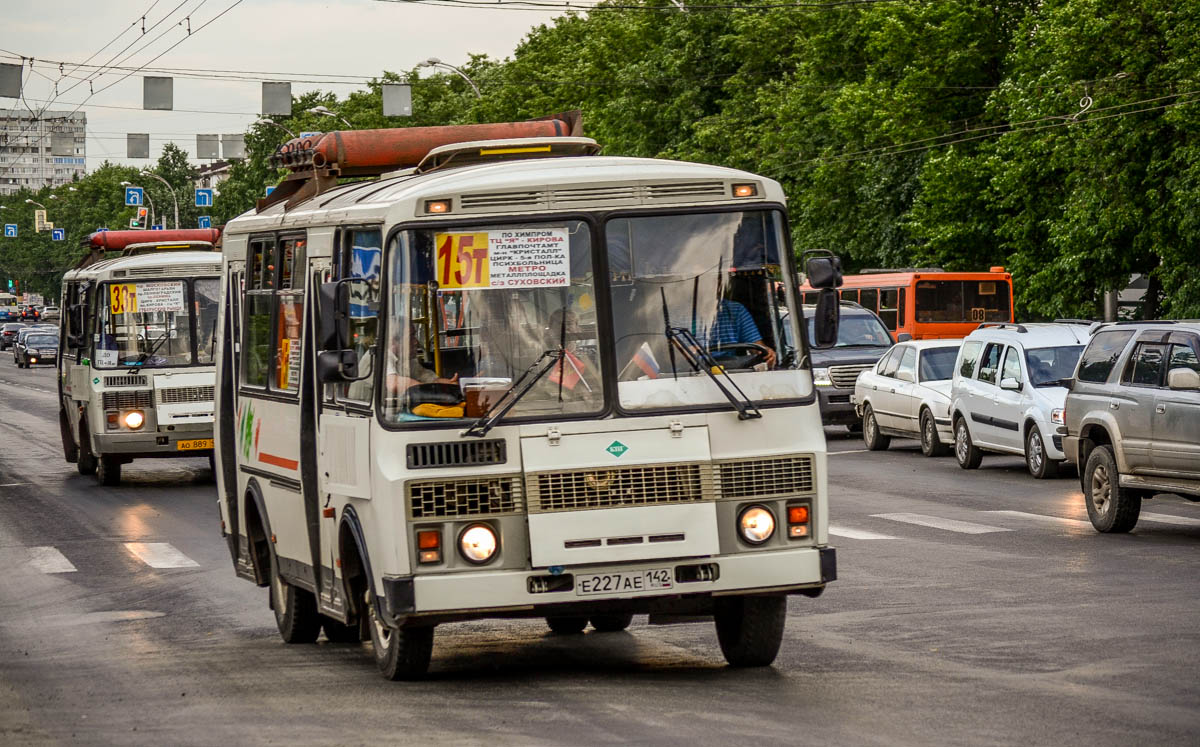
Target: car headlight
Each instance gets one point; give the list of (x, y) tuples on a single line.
[(478, 543), (133, 419), (1056, 416), (821, 377), (756, 524)]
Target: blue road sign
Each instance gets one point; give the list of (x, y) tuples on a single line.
[(102, 228), (311, 134), (10, 230), (270, 190), (159, 227), (204, 221), (58, 234), (204, 198), (134, 196)]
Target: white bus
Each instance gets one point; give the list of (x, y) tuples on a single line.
[(10, 310), (518, 380), (137, 335)]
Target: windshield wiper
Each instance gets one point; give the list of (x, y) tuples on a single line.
[(484, 424), (157, 344), (698, 357)]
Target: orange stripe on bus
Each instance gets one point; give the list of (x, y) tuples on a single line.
[(277, 461)]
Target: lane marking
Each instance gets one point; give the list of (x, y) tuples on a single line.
[(858, 534), (14, 484), (1169, 519), (160, 555), (50, 560), (1043, 517), (848, 451), (936, 522)]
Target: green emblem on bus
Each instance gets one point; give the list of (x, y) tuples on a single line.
[(96, 380), (616, 448)]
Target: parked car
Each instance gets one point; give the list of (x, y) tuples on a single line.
[(1008, 392), (8, 334), (907, 394), (1132, 420), (862, 341), (39, 347)]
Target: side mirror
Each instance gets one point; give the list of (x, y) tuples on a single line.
[(1010, 384), (824, 271), (826, 318), (337, 366), (903, 337), (333, 327), (1183, 378)]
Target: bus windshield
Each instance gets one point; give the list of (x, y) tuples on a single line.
[(963, 301), (147, 324)]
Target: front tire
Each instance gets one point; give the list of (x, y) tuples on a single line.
[(400, 653), (566, 624), (1110, 507), (750, 628), (108, 470), (968, 456), (931, 443), (613, 623), (295, 609), (70, 448), (1039, 464), (86, 463), (874, 440)]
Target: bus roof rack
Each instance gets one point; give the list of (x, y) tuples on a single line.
[(884, 270), (1004, 325)]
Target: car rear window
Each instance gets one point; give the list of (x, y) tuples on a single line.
[(1101, 355)]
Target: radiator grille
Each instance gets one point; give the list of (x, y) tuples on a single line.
[(442, 498), (845, 376), (457, 454), (766, 477), (125, 381), (181, 394), (612, 488), (142, 398)]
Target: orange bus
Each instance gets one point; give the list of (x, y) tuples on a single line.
[(930, 303)]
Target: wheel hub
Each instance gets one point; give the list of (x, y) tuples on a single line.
[(1101, 489)]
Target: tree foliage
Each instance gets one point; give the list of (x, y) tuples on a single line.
[(1056, 137)]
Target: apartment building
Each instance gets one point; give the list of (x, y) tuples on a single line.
[(40, 151)]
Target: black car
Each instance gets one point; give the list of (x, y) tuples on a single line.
[(8, 334), (38, 347), (862, 340)]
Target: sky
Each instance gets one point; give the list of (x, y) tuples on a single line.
[(347, 37)]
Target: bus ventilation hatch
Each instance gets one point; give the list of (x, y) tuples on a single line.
[(457, 454)]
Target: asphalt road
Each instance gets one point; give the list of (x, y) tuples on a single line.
[(972, 608)]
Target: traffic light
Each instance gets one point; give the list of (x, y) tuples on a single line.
[(141, 219)]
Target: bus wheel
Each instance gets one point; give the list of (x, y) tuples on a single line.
[(295, 609), (614, 623), (750, 628), (108, 470), (70, 448), (566, 624), (400, 653), (86, 461)]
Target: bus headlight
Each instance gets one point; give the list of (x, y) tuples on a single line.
[(133, 419), (478, 543), (756, 524), (821, 377)]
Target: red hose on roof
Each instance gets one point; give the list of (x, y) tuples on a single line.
[(122, 239)]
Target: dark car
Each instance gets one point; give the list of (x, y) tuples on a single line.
[(8, 334), (862, 340), (37, 347)]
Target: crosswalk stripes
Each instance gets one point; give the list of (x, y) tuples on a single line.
[(50, 560), (937, 522), (160, 555), (1082, 524), (857, 534), (1169, 519)]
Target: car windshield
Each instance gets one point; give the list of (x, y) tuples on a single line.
[(1049, 366), (937, 364), (858, 330), (146, 324), (35, 341)]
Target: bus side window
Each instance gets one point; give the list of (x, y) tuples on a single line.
[(289, 313), (868, 298), (850, 294), (889, 306), (360, 256), (256, 313)]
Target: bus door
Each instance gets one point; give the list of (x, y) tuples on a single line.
[(226, 404)]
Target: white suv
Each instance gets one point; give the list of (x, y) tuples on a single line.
[(1009, 389)]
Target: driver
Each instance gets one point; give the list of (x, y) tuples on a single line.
[(406, 371), (734, 325)]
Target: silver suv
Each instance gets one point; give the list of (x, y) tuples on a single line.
[(1132, 418)]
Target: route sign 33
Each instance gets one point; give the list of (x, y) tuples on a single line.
[(134, 196)]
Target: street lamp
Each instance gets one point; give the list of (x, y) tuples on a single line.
[(146, 197), (327, 113), (175, 199), (265, 121), (35, 202), (435, 62)]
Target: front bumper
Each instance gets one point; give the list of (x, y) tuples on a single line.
[(484, 594), (837, 407), (152, 444)]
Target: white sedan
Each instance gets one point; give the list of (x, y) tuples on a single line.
[(907, 394)]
